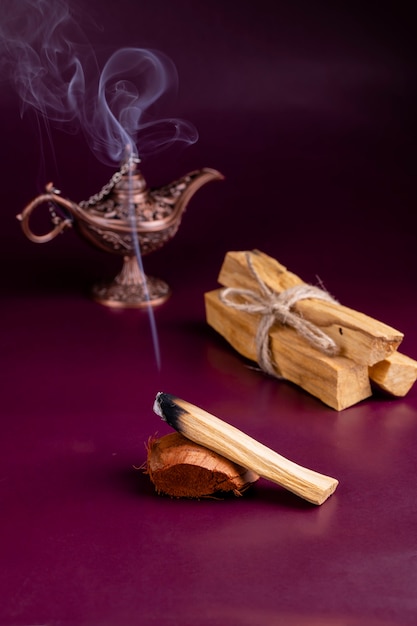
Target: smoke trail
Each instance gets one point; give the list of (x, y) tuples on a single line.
[(46, 54), (136, 245)]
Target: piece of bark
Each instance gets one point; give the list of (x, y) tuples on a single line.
[(358, 336), (395, 375), (181, 468), (208, 430), (336, 381)]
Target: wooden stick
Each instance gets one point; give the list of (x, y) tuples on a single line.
[(215, 434), (359, 337), (395, 375), (336, 381)]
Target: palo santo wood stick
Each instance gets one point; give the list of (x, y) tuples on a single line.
[(336, 381), (181, 468), (230, 442), (395, 375), (358, 336)]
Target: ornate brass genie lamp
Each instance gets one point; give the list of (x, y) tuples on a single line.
[(125, 218)]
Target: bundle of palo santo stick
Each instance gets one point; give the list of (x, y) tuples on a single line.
[(359, 350)]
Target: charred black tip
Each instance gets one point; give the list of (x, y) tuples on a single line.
[(166, 406)]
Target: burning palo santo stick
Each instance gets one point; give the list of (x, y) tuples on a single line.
[(213, 433)]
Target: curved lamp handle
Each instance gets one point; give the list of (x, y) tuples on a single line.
[(60, 224)]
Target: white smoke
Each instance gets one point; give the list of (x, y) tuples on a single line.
[(54, 68)]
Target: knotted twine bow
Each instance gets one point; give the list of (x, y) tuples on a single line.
[(277, 307)]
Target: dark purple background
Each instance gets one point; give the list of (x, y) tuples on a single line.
[(308, 110)]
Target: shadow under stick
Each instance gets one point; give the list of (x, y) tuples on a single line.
[(215, 434)]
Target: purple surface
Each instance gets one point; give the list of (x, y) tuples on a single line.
[(308, 113)]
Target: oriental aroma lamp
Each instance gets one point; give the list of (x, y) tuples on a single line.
[(125, 218)]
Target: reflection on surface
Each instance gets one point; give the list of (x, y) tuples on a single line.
[(371, 436)]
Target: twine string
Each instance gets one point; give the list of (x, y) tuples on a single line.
[(277, 307)]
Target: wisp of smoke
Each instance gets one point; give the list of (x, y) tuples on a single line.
[(54, 68)]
